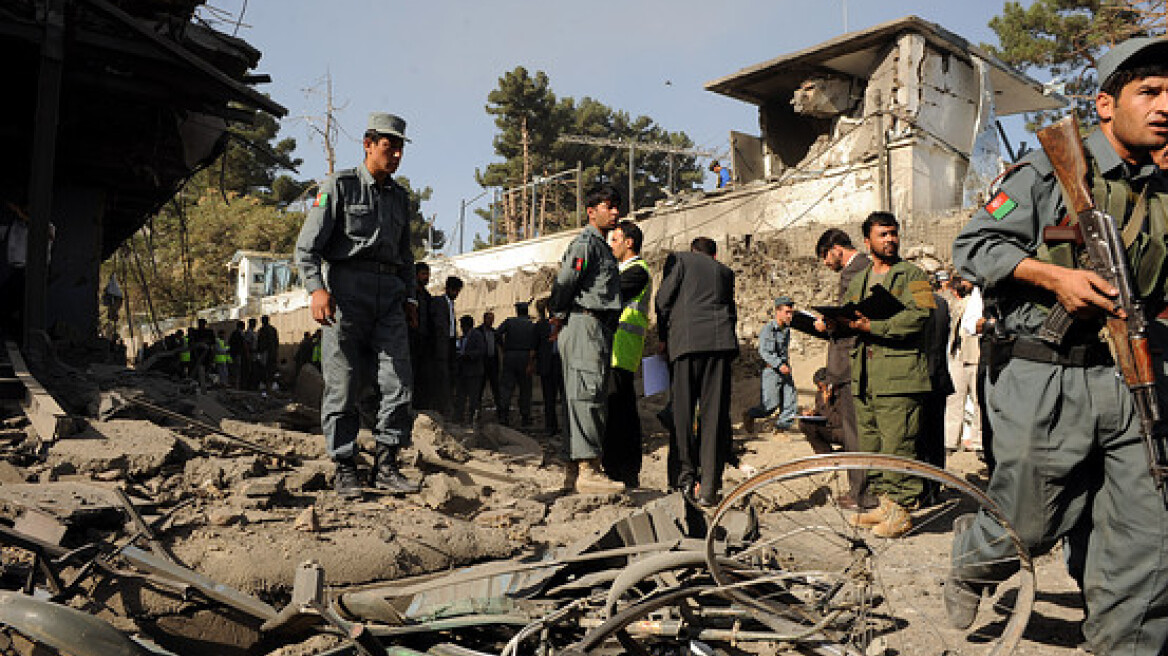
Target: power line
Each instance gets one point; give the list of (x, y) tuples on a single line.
[(633, 146)]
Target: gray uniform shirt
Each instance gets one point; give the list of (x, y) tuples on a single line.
[(354, 218), (773, 344), (991, 245), (589, 276)]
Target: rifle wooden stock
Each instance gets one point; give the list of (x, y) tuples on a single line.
[(1064, 147)]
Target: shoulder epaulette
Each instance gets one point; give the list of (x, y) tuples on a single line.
[(1039, 160), (346, 173)]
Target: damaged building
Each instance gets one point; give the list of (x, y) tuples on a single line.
[(900, 117), (112, 106)]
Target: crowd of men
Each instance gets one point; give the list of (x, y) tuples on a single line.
[(247, 359), (916, 365)]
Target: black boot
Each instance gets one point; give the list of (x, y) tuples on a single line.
[(386, 475), (346, 481)]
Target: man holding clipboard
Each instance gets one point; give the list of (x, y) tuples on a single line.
[(887, 307)]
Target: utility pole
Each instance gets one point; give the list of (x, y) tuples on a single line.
[(526, 170), (633, 146), (579, 193)]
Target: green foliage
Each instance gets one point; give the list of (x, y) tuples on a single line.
[(1063, 39), (239, 202), (419, 228), (523, 101), (182, 254), (252, 165)]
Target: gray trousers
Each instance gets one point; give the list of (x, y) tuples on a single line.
[(1068, 451), (367, 343), (778, 393), (586, 356)]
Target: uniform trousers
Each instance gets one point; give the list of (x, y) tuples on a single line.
[(586, 355), (891, 425), (1068, 451), (552, 387), (702, 377), (778, 393), (846, 406), (622, 437), (367, 343), (514, 374)]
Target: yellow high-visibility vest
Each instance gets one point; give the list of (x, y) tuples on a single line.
[(629, 341)]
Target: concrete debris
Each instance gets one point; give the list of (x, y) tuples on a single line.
[(448, 495), (135, 448), (511, 442), (225, 516), (307, 520)]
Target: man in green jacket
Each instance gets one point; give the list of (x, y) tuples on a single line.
[(890, 371)]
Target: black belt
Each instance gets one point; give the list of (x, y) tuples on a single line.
[(369, 266), (1082, 355), (599, 314)]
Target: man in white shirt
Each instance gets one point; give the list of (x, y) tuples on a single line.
[(964, 349)]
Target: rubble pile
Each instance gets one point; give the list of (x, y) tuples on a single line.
[(230, 493)]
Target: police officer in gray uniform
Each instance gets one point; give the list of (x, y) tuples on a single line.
[(585, 301), (1066, 434), (354, 256), (518, 337)]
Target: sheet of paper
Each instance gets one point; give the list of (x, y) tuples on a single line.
[(655, 374)]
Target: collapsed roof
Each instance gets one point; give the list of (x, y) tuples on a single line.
[(858, 53)]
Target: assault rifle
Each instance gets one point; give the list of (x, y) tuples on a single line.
[(1103, 252)]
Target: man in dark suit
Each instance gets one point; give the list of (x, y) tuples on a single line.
[(835, 250), (472, 348), (696, 317), (547, 365), (444, 329)]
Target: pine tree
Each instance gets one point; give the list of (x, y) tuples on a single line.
[(1064, 39), (531, 119)]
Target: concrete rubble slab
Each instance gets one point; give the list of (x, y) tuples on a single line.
[(136, 448)]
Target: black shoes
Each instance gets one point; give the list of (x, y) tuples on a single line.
[(386, 475), (346, 481)]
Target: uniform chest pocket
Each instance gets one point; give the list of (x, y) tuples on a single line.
[(360, 221)]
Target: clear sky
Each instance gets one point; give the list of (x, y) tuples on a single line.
[(433, 63)]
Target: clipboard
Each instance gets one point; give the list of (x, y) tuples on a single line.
[(879, 305)]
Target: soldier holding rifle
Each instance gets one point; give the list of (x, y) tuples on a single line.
[(1068, 432)]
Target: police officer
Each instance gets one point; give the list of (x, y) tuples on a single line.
[(517, 335), (622, 436), (890, 371), (778, 387), (585, 300), (354, 256), (1066, 434)]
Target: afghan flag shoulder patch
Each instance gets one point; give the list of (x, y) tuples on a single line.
[(321, 199), (579, 263), (1000, 206)]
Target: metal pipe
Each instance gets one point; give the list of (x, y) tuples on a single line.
[(207, 587)]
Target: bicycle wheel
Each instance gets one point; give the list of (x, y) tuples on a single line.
[(838, 584)]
